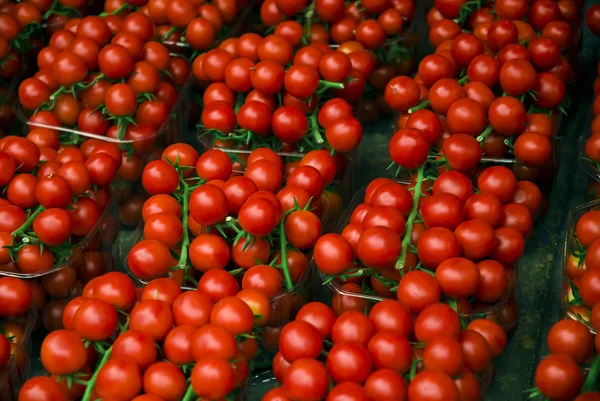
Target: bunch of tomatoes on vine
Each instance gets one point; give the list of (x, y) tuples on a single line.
[(272, 92), (498, 84), (103, 83), (385, 354), (207, 227), (431, 241), (378, 36), (23, 29), (57, 230), (155, 343), (187, 26), (570, 371), (53, 208)]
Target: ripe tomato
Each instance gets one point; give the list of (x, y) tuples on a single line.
[(558, 377), (213, 378), (164, 380), (299, 339), (437, 320), (443, 354), (233, 314), (119, 378), (333, 254), (95, 320), (477, 239), (42, 388), (192, 308), (433, 385), (136, 346), (306, 379), (53, 226), (564, 334)]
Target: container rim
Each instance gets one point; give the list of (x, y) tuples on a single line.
[(79, 247)]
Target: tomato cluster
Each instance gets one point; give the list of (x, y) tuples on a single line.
[(382, 30), (370, 23), (384, 355), (452, 244), (106, 80), (183, 24), (502, 84), (57, 231), (157, 343), (565, 374), (209, 228), (251, 99), (54, 201)]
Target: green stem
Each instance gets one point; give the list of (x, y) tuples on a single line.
[(230, 221), (484, 134), (93, 82), (21, 230), (590, 381), (420, 106), (463, 80), (314, 130), (411, 219), (185, 241), (329, 84), (189, 394), (58, 92), (92, 382), (168, 33), (283, 254)]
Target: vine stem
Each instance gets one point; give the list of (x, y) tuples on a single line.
[(484, 134), (21, 230), (420, 106), (590, 381), (185, 241), (92, 382), (189, 394), (314, 130), (411, 218), (329, 84), (284, 262)]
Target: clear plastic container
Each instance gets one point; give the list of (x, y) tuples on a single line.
[(335, 197), (96, 247), (14, 374), (572, 310), (505, 312), (174, 129), (283, 306)]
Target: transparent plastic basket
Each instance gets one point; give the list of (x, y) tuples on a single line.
[(97, 244), (335, 197), (174, 129), (575, 312), (14, 374), (284, 305), (505, 311)]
